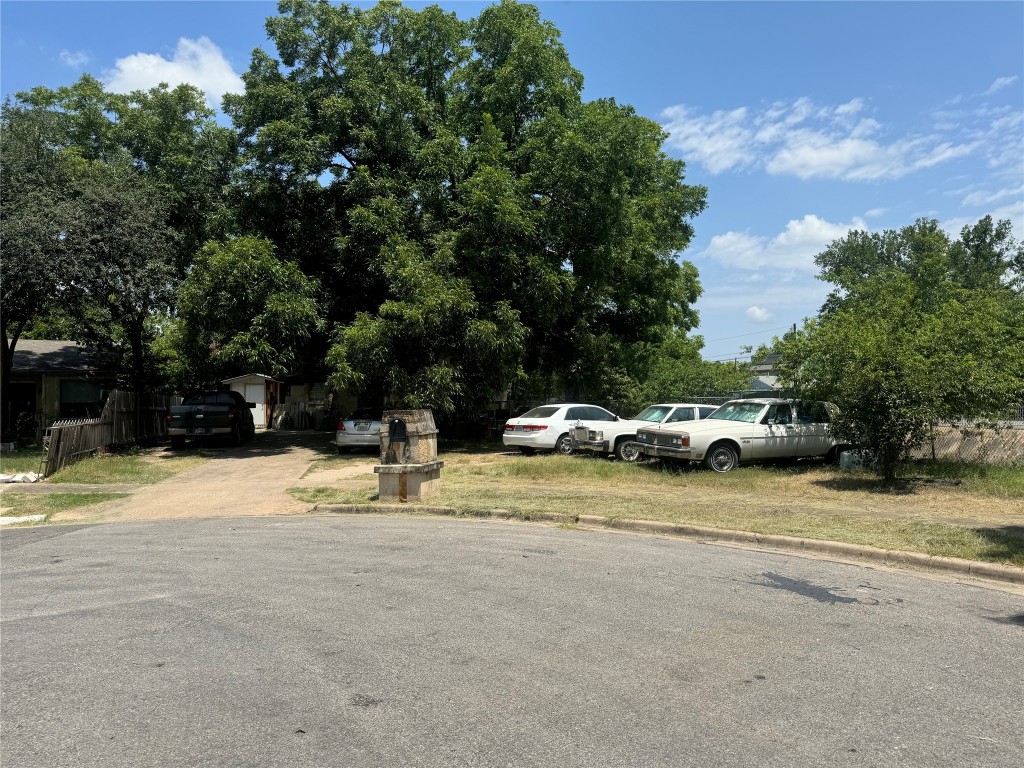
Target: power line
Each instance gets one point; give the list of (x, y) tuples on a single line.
[(741, 335)]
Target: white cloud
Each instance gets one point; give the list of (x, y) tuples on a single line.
[(74, 59), (999, 84), (721, 141), (197, 62), (793, 248), (874, 213), (982, 197), (759, 314), (807, 141)]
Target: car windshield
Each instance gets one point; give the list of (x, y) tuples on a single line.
[(655, 413), (543, 412), (738, 412)]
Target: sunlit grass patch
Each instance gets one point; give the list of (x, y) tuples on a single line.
[(23, 504), (23, 460), (128, 469), (331, 495)]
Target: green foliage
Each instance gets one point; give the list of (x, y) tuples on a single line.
[(677, 371), (920, 329), (474, 223), (105, 199), (167, 135), (37, 268), (240, 310)]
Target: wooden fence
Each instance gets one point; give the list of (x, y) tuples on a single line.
[(301, 416), (127, 418)]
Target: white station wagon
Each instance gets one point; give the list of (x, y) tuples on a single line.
[(761, 429)]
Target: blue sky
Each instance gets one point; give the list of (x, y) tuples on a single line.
[(803, 119)]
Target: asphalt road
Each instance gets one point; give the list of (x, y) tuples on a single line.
[(364, 641)]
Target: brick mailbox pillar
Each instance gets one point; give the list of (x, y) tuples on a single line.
[(408, 467)]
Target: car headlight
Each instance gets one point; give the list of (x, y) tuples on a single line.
[(598, 435)]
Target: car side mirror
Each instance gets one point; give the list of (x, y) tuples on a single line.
[(250, 405)]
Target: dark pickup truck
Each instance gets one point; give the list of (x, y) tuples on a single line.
[(211, 414)]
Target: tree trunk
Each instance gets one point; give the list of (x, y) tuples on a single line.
[(7, 426)]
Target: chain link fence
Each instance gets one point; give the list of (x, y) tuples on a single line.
[(1001, 444)]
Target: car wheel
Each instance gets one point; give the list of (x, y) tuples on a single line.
[(525, 451), (564, 445), (627, 450), (721, 458), (832, 457), (177, 443)]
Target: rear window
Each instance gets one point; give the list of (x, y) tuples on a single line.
[(543, 412), (209, 398)]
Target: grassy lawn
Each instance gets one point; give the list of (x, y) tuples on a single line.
[(955, 511), (140, 467), (21, 504), (24, 460)]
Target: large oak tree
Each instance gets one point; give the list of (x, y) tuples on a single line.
[(474, 222)]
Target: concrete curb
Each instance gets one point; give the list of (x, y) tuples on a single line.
[(860, 552)]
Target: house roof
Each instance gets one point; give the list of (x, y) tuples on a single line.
[(765, 383), (56, 356), (250, 376)]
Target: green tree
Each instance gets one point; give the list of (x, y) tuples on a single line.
[(418, 164), (919, 329), (37, 269), (170, 138), (118, 235), (241, 309)]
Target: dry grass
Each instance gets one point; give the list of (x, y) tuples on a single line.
[(979, 516)]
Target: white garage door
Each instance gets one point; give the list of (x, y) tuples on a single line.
[(254, 394)]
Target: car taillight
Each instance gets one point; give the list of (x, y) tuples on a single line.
[(341, 426), (510, 427), (231, 413), (169, 416), (534, 427)]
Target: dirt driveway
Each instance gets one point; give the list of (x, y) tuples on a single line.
[(250, 480)]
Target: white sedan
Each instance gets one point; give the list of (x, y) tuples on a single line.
[(549, 427), (747, 430)]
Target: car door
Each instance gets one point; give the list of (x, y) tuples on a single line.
[(813, 425), (775, 434)]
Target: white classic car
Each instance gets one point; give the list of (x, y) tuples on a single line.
[(761, 429), (549, 427), (619, 438)]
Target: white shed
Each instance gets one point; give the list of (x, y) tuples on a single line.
[(260, 389)]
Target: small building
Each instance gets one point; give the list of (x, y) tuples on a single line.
[(58, 379), (260, 389)]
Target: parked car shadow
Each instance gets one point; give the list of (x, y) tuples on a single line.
[(869, 484), (271, 442)]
